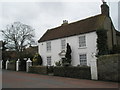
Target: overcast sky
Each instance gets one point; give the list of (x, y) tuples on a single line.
[(43, 15)]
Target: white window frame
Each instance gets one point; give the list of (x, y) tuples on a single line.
[(48, 46), (49, 60), (82, 41), (83, 59), (63, 44)]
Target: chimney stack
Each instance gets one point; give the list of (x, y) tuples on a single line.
[(65, 22), (104, 9)]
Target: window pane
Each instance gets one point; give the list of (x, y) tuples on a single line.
[(48, 46), (49, 61), (63, 44), (82, 41), (83, 59)]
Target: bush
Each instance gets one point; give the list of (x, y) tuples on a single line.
[(37, 60), (67, 60), (38, 69), (12, 65), (108, 68), (58, 63), (102, 46), (50, 69), (12, 61), (73, 72)]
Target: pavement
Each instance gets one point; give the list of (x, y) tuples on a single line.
[(13, 79)]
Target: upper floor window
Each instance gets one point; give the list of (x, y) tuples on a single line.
[(83, 59), (48, 45), (63, 44), (82, 41)]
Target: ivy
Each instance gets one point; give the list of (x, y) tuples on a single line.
[(102, 46)]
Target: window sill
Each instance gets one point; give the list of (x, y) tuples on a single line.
[(48, 51), (82, 47)]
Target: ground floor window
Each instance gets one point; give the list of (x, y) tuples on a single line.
[(83, 59), (49, 61)]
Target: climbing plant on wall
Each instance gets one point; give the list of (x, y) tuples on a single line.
[(102, 46)]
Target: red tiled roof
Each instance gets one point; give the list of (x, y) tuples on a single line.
[(83, 26)]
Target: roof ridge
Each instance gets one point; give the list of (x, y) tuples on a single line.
[(87, 18), (86, 25), (76, 21)]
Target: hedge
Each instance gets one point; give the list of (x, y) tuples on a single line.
[(12, 65), (73, 72), (38, 69), (41, 69), (108, 68)]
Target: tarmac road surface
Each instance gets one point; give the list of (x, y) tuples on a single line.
[(13, 79)]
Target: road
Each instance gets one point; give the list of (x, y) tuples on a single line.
[(13, 79)]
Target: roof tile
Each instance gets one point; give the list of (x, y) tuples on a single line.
[(83, 26)]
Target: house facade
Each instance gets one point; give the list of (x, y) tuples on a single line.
[(83, 45), (82, 38)]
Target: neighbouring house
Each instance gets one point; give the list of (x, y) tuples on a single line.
[(82, 37)]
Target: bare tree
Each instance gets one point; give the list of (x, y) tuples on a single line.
[(18, 36)]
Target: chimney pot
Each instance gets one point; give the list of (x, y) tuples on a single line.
[(105, 9), (65, 22)]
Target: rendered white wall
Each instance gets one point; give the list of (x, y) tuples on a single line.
[(74, 43), (90, 50)]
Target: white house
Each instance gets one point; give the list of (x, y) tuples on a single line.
[(81, 36)]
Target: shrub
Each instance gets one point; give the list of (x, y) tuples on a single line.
[(50, 69), (67, 60), (37, 59), (41, 69), (73, 72), (38, 69), (12, 65), (58, 63), (12, 61), (102, 42)]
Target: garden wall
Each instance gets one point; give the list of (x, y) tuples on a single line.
[(73, 72), (108, 67)]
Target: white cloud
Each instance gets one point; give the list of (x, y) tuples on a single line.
[(47, 15)]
